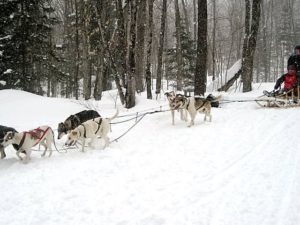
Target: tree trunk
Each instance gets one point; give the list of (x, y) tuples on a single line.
[(186, 17), (140, 48), (179, 59), (161, 47), (214, 40), (121, 46), (247, 70), (149, 47), (195, 19), (99, 75), (200, 73), (76, 86), (85, 52), (131, 86)]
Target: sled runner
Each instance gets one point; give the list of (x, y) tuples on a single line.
[(282, 100)]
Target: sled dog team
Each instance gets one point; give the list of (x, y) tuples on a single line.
[(89, 124), (85, 124)]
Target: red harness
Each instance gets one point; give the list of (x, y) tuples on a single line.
[(37, 133)]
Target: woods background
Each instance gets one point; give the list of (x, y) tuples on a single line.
[(80, 48)]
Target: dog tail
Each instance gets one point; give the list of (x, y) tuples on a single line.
[(114, 116), (214, 99)]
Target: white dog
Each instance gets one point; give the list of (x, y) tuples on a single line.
[(171, 98), (98, 127), (26, 140)]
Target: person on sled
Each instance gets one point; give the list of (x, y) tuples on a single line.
[(294, 59), (290, 82)]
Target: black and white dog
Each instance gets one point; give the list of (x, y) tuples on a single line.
[(3, 131), (75, 120), (93, 128)]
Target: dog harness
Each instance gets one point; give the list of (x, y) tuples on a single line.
[(201, 105), (35, 134), (84, 132)]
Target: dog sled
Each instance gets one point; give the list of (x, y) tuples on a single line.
[(283, 100)]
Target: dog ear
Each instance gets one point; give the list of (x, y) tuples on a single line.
[(67, 124), (75, 133), (180, 97)]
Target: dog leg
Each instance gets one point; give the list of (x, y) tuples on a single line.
[(83, 144), (3, 155), (50, 150), (192, 115), (45, 146), (91, 144), (185, 115), (172, 112), (28, 153), (106, 140), (181, 114), (18, 154)]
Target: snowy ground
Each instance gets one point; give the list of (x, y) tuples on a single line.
[(241, 169)]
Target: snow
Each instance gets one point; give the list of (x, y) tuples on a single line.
[(6, 37), (240, 169), (7, 71), (2, 82)]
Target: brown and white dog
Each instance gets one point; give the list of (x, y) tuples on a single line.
[(171, 97), (194, 105), (94, 128), (26, 140), (74, 121)]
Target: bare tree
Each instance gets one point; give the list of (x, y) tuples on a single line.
[(161, 47), (179, 59), (140, 45), (250, 43), (131, 86), (149, 47), (200, 73)]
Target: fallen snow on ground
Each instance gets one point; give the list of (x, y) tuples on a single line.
[(240, 169)]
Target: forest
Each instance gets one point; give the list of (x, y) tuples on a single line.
[(80, 48)]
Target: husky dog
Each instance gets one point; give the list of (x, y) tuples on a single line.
[(26, 140), (94, 128), (75, 120), (3, 131), (193, 105), (171, 97)]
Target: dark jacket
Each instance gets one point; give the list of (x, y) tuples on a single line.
[(294, 60), (290, 81)]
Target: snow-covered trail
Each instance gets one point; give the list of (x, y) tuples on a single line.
[(241, 169)]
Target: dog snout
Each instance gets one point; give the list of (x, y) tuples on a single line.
[(70, 143)]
